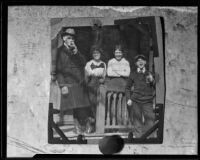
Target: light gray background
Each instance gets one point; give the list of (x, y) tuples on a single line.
[(29, 60)]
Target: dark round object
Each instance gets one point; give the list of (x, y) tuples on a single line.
[(111, 144)]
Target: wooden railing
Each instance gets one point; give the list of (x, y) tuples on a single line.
[(112, 109)]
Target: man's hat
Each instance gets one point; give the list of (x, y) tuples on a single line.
[(140, 56), (68, 31)]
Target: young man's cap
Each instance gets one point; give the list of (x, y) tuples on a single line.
[(140, 56), (68, 31)]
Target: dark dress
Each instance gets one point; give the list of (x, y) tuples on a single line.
[(93, 83), (70, 73)]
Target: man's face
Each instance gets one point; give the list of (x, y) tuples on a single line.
[(118, 55), (96, 55), (140, 63), (68, 40)]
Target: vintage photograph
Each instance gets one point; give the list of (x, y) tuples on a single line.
[(99, 80), (107, 79)]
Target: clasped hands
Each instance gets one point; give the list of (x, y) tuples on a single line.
[(64, 90)]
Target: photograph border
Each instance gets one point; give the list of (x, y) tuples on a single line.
[(4, 15)]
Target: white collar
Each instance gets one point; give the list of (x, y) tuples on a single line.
[(121, 60), (143, 70)]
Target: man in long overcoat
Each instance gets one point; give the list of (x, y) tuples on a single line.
[(70, 76)]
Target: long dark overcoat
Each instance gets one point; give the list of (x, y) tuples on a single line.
[(70, 73)]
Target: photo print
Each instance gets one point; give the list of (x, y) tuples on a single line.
[(107, 78)]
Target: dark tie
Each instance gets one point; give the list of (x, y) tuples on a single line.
[(93, 66)]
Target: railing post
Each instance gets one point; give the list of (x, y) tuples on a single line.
[(114, 109), (100, 113), (124, 111), (108, 109), (119, 110)]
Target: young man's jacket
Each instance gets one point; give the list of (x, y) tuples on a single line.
[(70, 73), (143, 92)]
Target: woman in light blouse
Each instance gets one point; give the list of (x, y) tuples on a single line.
[(118, 66)]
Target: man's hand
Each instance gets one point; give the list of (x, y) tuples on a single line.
[(64, 90), (150, 78), (129, 102), (75, 50)]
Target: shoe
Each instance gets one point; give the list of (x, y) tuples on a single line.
[(131, 135), (80, 138), (90, 125), (89, 129), (136, 133), (83, 128), (78, 129)]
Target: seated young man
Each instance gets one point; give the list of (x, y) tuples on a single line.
[(118, 66), (140, 99)]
